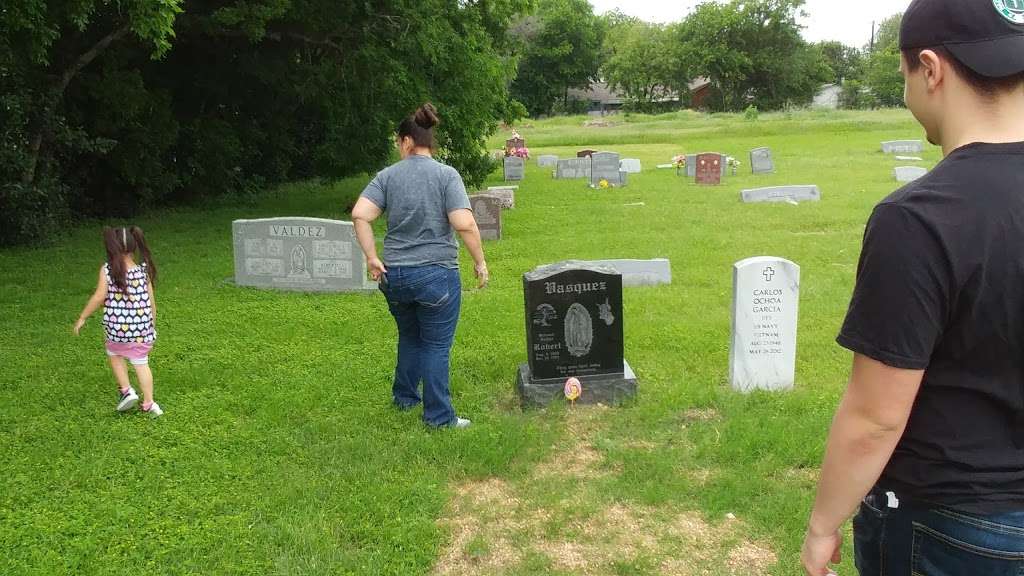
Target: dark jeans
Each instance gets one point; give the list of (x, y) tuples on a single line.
[(425, 302), (913, 540)]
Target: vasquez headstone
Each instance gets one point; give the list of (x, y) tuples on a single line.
[(765, 303), (761, 161), (515, 168), (305, 254), (574, 328), (487, 211)]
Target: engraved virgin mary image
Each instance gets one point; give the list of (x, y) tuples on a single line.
[(579, 330), (298, 263)]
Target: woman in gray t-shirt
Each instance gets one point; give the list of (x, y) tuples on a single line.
[(425, 203)]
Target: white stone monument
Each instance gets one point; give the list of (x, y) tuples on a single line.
[(765, 303)]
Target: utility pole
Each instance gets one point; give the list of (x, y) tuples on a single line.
[(872, 36)]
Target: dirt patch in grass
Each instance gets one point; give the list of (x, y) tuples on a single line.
[(497, 526)]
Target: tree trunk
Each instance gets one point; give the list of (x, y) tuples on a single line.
[(44, 119)]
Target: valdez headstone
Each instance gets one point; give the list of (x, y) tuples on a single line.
[(304, 254)]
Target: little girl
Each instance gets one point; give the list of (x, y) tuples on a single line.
[(125, 289)]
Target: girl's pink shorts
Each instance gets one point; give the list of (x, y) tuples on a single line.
[(136, 352)]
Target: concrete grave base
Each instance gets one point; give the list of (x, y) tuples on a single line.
[(599, 389)]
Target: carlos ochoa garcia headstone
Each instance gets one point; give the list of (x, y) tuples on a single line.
[(765, 303)]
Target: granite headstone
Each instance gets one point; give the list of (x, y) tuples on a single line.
[(574, 329), (572, 168), (761, 161), (790, 194), (515, 168), (605, 166), (709, 169), (547, 161), (909, 173), (303, 254), (487, 211), (903, 146)]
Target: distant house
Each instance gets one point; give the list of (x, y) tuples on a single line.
[(602, 99), (828, 96)]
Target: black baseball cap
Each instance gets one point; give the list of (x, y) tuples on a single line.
[(987, 36)]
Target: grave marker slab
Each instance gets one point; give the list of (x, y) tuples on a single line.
[(630, 166), (909, 173), (303, 254), (765, 304), (803, 193), (761, 161), (547, 161), (639, 272), (574, 328), (507, 195), (709, 169), (691, 165), (515, 168), (572, 168), (487, 211), (605, 166), (910, 159), (585, 153), (902, 146)]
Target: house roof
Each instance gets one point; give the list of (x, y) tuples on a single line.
[(602, 93)]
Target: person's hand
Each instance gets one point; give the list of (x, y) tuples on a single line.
[(376, 268), (818, 551), (482, 274), (78, 326)]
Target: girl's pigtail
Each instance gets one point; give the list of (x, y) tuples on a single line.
[(147, 256)]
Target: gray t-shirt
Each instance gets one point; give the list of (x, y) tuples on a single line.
[(417, 194)]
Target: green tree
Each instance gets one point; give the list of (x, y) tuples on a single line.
[(641, 63), (753, 53), (882, 76), (846, 62), (111, 106), (559, 51)]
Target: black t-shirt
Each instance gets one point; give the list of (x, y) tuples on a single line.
[(940, 288)]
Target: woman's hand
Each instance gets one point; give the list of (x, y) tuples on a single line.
[(482, 274), (819, 551), (376, 268), (78, 326)]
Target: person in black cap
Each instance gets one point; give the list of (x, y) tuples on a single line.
[(929, 436)]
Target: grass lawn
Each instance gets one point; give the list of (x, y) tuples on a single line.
[(280, 454)]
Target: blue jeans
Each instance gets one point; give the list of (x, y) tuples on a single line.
[(929, 541), (425, 302)]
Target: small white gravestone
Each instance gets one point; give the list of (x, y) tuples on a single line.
[(630, 165), (909, 173), (547, 161), (765, 302), (304, 254), (902, 147)]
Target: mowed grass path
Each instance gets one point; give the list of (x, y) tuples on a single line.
[(279, 453)]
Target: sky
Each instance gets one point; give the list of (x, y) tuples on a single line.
[(848, 22)]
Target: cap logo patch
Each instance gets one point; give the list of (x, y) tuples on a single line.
[(1012, 10)]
